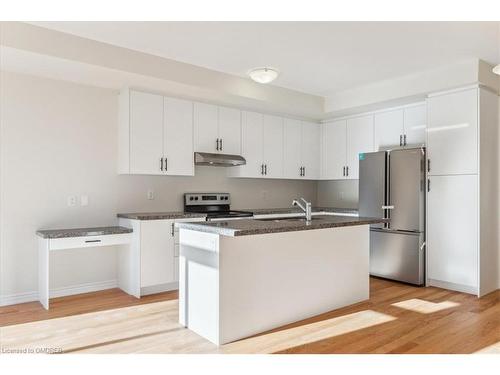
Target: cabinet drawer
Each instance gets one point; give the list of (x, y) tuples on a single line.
[(89, 241)]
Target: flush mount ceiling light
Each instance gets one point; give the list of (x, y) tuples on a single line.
[(263, 75), (496, 69)]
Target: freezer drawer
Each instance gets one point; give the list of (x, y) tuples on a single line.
[(397, 256)]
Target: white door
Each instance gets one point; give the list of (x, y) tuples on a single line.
[(157, 252), (452, 133), (359, 140), (334, 150), (388, 129), (205, 127), (230, 130), (292, 143), (311, 134), (273, 146), (146, 133), (251, 145), (452, 229), (415, 119), (178, 137)]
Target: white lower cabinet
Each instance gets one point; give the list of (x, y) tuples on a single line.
[(157, 252), (452, 231), (155, 248)]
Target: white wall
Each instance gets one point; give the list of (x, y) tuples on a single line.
[(59, 139)]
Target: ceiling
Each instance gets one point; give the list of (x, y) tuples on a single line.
[(318, 58)]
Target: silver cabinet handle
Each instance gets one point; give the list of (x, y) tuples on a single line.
[(400, 140), (428, 165), (343, 171), (262, 169), (217, 144), (304, 171), (173, 230), (300, 171), (265, 169), (166, 164), (404, 140), (428, 184), (221, 144), (347, 171), (388, 207), (161, 164)]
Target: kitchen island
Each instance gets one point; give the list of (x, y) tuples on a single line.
[(242, 277)]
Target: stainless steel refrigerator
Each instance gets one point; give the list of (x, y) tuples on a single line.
[(392, 185)]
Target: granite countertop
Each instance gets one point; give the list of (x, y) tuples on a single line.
[(82, 232), (256, 211), (160, 215), (247, 227)]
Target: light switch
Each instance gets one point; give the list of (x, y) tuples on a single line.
[(84, 200)]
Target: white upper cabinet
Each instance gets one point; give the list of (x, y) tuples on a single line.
[(252, 124), (311, 137), (178, 137), (146, 133), (388, 129), (273, 146), (452, 135), (229, 130), (206, 126), (359, 139), (415, 124), (334, 150), (155, 135), (292, 142), (217, 129)]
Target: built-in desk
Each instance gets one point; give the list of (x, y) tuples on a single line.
[(67, 239)]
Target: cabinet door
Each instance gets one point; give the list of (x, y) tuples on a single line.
[(415, 119), (178, 137), (205, 127), (452, 229), (334, 150), (146, 133), (157, 252), (230, 130), (359, 140), (388, 129), (251, 145), (452, 133), (273, 146), (311, 133), (292, 143)]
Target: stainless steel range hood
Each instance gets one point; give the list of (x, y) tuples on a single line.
[(218, 160)]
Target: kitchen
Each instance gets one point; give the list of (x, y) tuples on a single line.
[(223, 211)]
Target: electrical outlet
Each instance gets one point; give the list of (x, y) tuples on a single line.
[(72, 201), (151, 194), (84, 200)]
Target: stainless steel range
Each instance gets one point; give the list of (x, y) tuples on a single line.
[(217, 206)]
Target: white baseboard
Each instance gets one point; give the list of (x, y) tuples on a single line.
[(13, 299), (452, 286)]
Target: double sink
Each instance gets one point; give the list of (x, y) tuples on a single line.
[(288, 219)]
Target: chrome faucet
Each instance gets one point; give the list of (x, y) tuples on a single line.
[(306, 207)]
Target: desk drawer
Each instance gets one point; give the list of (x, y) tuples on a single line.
[(89, 241)]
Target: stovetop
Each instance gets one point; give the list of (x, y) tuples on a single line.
[(214, 205)]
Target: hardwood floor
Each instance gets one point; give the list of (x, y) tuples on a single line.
[(398, 318)]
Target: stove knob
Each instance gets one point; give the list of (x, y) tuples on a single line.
[(195, 198), (191, 198)]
